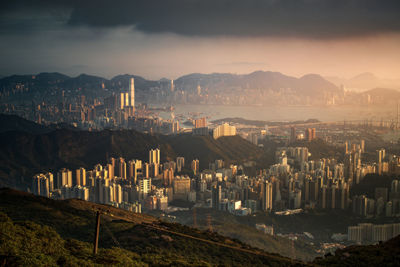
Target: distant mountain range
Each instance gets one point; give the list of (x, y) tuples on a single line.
[(307, 84), (258, 79), (259, 88), (44, 81), (365, 81), (310, 84)]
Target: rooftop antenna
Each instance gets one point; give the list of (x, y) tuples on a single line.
[(194, 218)]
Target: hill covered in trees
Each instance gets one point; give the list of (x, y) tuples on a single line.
[(382, 254), (27, 150)]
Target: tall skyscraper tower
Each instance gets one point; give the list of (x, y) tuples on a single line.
[(132, 92), (292, 134), (172, 86), (216, 196), (266, 204)]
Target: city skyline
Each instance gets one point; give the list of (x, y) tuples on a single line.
[(200, 132)]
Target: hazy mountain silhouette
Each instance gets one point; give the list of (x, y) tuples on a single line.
[(365, 81)]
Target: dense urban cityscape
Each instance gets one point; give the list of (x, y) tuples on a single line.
[(293, 184), (312, 166), (200, 133)]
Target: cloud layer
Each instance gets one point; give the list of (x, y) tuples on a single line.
[(321, 19)]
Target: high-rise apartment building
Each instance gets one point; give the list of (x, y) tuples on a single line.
[(380, 158), (121, 101), (180, 163), (133, 168), (293, 134), (310, 134), (181, 186), (80, 177), (266, 204), (132, 92), (380, 155), (195, 166), (154, 156), (42, 184), (224, 130), (64, 177), (121, 168), (216, 196), (145, 186), (200, 123)]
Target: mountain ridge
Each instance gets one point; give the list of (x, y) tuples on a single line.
[(259, 77), (25, 153), (364, 81)]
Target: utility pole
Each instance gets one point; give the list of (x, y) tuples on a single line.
[(194, 218), (96, 233), (209, 222)]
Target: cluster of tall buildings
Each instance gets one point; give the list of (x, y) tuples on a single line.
[(385, 202), (294, 182), (125, 184), (116, 110), (368, 232), (126, 100)]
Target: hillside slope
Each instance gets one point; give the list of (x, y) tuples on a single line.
[(140, 239), (15, 123), (382, 254), (22, 154), (243, 228)]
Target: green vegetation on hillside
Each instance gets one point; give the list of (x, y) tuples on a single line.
[(320, 149), (243, 228), (125, 238), (30, 244), (383, 254), (23, 154)]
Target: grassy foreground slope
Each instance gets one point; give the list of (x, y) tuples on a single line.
[(126, 238), (243, 228)]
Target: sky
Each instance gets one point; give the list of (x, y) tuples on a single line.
[(171, 38)]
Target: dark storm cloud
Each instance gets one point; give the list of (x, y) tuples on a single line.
[(277, 18)]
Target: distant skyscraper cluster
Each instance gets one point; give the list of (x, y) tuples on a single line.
[(126, 100)]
